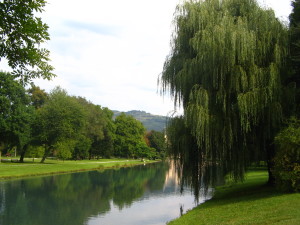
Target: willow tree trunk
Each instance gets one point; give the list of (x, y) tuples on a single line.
[(270, 164)]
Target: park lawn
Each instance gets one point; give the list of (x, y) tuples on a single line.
[(29, 168), (250, 202)]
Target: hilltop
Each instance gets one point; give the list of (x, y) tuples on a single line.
[(151, 122)]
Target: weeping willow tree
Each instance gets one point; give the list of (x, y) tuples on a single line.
[(225, 70), (295, 50)]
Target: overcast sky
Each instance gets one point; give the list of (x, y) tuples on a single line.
[(112, 51)]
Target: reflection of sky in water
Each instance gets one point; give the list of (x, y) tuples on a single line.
[(138, 195), (154, 208)]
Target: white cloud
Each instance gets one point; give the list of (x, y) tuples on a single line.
[(112, 52), (282, 8)]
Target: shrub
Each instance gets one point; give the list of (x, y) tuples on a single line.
[(287, 159), (65, 148)]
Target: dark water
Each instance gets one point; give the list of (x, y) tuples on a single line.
[(139, 195)]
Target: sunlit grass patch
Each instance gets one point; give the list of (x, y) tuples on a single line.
[(250, 202), (53, 166)]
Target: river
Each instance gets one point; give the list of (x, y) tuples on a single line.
[(140, 195)]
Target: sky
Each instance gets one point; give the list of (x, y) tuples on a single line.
[(112, 51)]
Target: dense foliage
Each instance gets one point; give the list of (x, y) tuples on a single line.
[(287, 160), (225, 70), (21, 36), (157, 140), (59, 122), (129, 140), (16, 115), (41, 124), (295, 49)]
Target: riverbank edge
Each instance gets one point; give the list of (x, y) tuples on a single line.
[(251, 201), (101, 168)]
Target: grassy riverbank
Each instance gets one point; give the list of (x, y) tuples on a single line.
[(251, 202), (29, 168)]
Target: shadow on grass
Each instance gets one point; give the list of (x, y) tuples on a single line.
[(250, 190)]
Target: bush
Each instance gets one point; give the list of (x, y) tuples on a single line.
[(65, 148), (287, 159), (35, 151)]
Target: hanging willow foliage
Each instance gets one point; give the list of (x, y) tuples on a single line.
[(225, 70)]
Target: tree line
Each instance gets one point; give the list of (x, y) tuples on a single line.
[(40, 124)]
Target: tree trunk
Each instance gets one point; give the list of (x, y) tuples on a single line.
[(90, 154), (47, 151), (44, 157), (21, 160), (270, 163), (23, 151)]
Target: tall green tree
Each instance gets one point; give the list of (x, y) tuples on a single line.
[(16, 114), (106, 145), (225, 70), (94, 129), (82, 147), (157, 141), (37, 95), (21, 35), (59, 121), (129, 136), (287, 158)]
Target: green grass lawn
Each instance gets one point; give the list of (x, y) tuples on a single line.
[(251, 202), (29, 168)]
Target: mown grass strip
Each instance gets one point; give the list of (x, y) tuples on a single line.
[(250, 202), (15, 170)]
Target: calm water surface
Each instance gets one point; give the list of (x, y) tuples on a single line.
[(139, 195)]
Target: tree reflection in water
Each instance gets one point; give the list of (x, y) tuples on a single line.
[(75, 198)]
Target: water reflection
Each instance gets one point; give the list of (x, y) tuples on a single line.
[(139, 195)]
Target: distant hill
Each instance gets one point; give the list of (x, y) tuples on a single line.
[(151, 122)]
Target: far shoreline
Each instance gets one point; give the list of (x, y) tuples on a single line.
[(15, 170)]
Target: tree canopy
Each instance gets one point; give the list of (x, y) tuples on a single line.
[(21, 35), (225, 70), (287, 157), (295, 50), (129, 141), (41, 124), (157, 141), (59, 122), (16, 114)]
